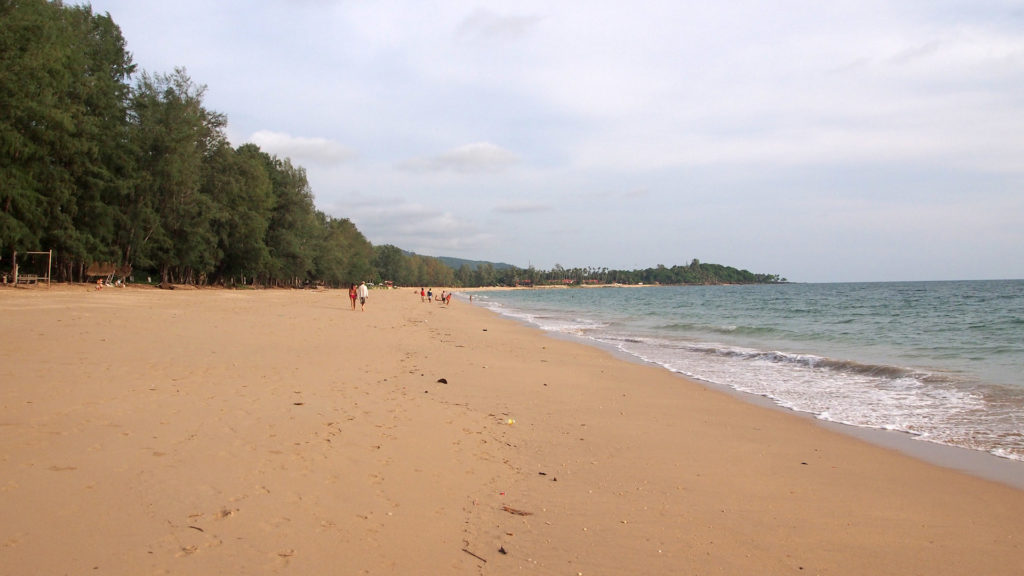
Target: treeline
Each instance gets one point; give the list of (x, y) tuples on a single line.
[(101, 168), (103, 165), (694, 273)]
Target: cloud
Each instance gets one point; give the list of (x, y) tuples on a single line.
[(316, 150), (472, 158), (411, 225), (671, 118), (485, 25), (522, 208)]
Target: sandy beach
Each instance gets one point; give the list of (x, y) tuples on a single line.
[(146, 431)]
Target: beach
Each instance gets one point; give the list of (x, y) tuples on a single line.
[(213, 431)]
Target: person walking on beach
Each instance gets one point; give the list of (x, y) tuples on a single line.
[(363, 292), (423, 294), (352, 295), (430, 295)]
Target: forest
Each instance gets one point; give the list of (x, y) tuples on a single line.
[(102, 163)]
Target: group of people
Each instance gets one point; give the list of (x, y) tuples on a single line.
[(428, 296), (360, 293)]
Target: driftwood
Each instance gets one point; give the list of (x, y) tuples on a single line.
[(512, 510), (484, 560)]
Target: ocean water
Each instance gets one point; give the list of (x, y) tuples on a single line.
[(943, 361)]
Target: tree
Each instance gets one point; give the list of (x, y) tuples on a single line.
[(392, 264), (437, 273), (239, 186), (464, 277), (293, 229), (33, 117), (169, 217), (484, 275), (63, 85), (100, 167), (345, 255)]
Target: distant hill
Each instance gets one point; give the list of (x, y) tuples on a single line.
[(457, 263), (697, 272)]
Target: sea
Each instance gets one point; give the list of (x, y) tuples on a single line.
[(941, 361)]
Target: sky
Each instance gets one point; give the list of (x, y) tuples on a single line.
[(849, 140)]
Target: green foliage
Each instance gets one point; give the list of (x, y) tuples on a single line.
[(63, 74), (346, 256), (32, 54), (173, 135), (694, 273), (405, 269), (292, 229), (103, 170), (392, 264), (241, 202)]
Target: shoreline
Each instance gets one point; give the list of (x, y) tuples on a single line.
[(277, 431), (975, 462)]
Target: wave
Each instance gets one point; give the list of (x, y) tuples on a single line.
[(935, 397), (548, 321), (778, 357), (931, 406), (732, 329), (838, 365)]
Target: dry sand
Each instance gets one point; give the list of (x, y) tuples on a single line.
[(251, 432)]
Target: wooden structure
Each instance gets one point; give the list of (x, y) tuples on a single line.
[(32, 278), (106, 271)]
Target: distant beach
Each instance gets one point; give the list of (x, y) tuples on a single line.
[(278, 431)]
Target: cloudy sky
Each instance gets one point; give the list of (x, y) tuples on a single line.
[(850, 140)]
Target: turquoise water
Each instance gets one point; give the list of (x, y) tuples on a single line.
[(943, 361)]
